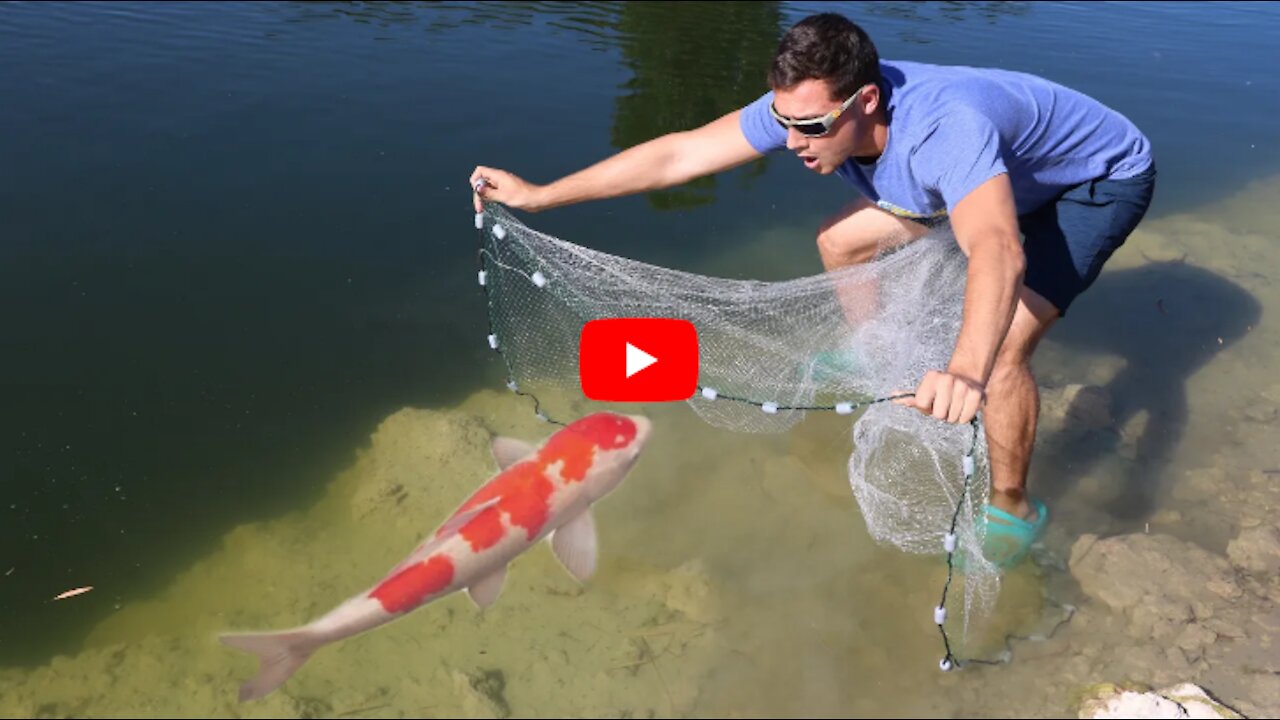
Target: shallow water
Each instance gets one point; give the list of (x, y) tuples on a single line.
[(237, 241)]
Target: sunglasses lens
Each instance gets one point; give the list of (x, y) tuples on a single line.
[(811, 129)]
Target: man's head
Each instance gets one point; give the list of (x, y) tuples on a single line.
[(824, 76)]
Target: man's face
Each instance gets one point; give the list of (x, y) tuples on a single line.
[(811, 100)]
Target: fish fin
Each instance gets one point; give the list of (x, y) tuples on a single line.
[(509, 451), (455, 523), (437, 538), (485, 590), (280, 653), (574, 544)]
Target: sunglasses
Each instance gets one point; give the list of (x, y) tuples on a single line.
[(814, 127)]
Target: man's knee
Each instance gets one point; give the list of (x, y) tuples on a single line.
[(859, 231), (1031, 320), (838, 251)]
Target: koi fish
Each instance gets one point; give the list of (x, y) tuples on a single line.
[(543, 492)]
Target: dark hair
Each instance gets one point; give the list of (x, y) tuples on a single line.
[(828, 47)]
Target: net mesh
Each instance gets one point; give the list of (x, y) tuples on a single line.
[(769, 352)]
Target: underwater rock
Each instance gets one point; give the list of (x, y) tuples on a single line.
[(1132, 433), (1075, 407), (689, 592), (1257, 549), (1139, 571), (1166, 517), (1179, 701), (482, 693), (1171, 594), (1264, 407), (1088, 405), (1202, 484), (1261, 411)]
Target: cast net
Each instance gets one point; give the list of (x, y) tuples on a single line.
[(770, 352)]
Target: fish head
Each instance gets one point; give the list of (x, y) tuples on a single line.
[(616, 441)]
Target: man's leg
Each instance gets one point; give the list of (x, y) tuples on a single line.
[(1013, 404), (1067, 243), (854, 235)]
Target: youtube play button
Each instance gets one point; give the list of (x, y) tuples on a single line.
[(638, 359)]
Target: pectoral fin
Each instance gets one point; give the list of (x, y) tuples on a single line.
[(574, 544), (509, 451), (485, 590)]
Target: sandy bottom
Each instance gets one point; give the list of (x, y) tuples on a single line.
[(736, 577)]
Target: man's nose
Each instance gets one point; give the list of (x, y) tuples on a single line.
[(795, 139)]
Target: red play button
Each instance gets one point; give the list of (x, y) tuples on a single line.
[(638, 360)]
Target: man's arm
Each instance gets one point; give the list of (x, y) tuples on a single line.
[(986, 228), (663, 162)]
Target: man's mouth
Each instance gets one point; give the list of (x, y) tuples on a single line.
[(809, 161)]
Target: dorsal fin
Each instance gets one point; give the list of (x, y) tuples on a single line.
[(509, 451), (437, 538), (456, 522)]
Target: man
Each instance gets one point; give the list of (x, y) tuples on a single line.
[(999, 154)]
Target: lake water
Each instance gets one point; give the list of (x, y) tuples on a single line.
[(235, 239)]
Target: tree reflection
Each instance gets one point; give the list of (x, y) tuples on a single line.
[(691, 64)]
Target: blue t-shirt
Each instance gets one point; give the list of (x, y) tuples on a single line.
[(951, 128)]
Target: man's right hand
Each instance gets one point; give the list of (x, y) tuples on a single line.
[(662, 162), (501, 186)]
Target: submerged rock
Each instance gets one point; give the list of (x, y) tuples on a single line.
[(689, 591), (1179, 701), (482, 693), (1151, 574), (1257, 549), (1075, 407), (1213, 624)]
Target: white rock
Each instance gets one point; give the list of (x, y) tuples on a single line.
[(1179, 701)]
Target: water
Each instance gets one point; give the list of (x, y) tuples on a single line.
[(235, 240)]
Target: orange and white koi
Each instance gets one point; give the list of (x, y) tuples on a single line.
[(538, 492)]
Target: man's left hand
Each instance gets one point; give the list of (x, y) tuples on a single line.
[(948, 397)]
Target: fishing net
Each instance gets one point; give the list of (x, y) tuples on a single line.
[(769, 353)]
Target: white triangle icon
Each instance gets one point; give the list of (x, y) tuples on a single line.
[(638, 359)]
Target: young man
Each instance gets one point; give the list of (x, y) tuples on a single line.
[(1000, 154)]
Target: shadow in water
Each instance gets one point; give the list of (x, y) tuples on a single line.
[(1167, 320)]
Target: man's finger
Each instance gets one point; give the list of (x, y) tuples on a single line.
[(924, 394), (971, 405), (942, 400), (478, 183), (959, 396)]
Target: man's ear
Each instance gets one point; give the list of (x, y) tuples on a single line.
[(870, 97)]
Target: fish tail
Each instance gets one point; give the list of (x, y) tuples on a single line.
[(280, 653)]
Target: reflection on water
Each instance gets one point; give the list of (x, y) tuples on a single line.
[(663, 97), (925, 23)]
